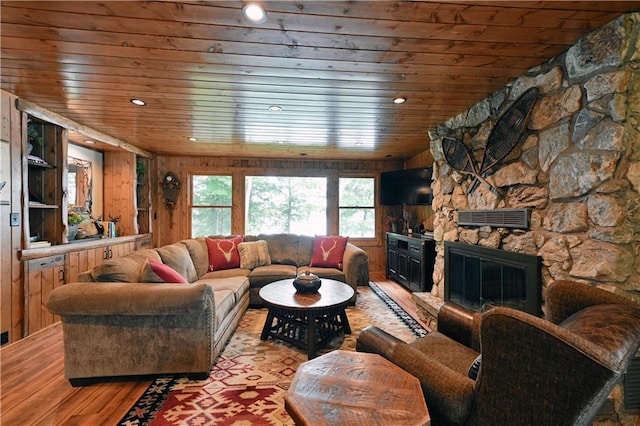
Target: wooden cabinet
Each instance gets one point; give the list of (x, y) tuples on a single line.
[(43, 190), (114, 251), (410, 261), (43, 275), (84, 260)]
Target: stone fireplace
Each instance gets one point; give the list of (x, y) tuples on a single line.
[(577, 168)]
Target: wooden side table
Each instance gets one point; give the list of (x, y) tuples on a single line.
[(307, 321), (355, 388)]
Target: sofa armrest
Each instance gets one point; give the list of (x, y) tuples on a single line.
[(460, 324), (374, 340), (448, 393), (140, 299), (565, 297), (355, 265)]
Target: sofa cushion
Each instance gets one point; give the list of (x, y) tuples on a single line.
[(331, 273), (225, 302), (238, 285), (123, 270), (254, 254), (157, 272), (263, 275), (223, 252), (199, 252), (328, 251), (454, 355), (305, 249), (283, 248), (225, 273), (177, 257)]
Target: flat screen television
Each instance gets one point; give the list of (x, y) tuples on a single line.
[(406, 187)]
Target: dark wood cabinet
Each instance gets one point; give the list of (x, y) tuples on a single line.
[(410, 261)]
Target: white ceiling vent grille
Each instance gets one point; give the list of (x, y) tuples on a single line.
[(506, 218)]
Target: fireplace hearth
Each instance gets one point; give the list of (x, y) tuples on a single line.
[(479, 277)]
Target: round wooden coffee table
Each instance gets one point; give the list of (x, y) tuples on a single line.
[(307, 321)]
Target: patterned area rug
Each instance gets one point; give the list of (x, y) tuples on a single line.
[(251, 376)]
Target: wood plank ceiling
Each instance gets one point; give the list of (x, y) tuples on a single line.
[(332, 66)]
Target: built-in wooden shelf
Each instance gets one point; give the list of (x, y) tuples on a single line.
[(42, 206)]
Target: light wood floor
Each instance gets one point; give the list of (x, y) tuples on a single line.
[(34, 391)]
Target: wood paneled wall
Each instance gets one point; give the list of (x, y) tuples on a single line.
[(119, 191), (170, 227), (11, 288)]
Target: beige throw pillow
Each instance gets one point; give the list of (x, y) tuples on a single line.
[(254, 254)]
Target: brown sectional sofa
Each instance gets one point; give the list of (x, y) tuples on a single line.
[(118, 323), (291, 255)]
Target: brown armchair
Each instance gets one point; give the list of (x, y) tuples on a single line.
[(533, 371)]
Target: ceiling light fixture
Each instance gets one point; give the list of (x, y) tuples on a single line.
[(254, 13), (399, 100), (90, 142), (275, 108), (192, 139), (138, 102)]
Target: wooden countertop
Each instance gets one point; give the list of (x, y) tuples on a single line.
[(35, 253)]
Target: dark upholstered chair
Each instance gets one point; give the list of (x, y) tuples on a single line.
[(553, 371)]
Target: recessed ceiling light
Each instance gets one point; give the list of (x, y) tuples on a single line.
[(275, 108), (192, 139), (255, 13), (399, 100), (138, 102), (90, 142)]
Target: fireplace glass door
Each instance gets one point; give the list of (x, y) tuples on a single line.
[(479, 278)]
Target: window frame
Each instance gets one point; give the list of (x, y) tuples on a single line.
[(373, 207), (238, 208), (192, 206), (288, 175)]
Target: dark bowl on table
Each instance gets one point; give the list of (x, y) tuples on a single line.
[(307, 283)]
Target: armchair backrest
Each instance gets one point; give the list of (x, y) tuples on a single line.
[(558, 372)]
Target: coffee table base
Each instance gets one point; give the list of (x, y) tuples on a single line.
[(308, 330)]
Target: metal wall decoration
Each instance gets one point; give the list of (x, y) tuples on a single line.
[(504, 137), (171, 188)]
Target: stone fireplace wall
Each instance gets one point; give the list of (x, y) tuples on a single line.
[(577, 167)]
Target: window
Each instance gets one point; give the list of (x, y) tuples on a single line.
[(357, 209), (210, 205), (276, 204)]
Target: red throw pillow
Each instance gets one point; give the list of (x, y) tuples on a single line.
[(166, 272), (223, 253), (328, 251)]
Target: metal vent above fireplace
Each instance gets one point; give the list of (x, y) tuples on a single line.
[(507, 218)]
